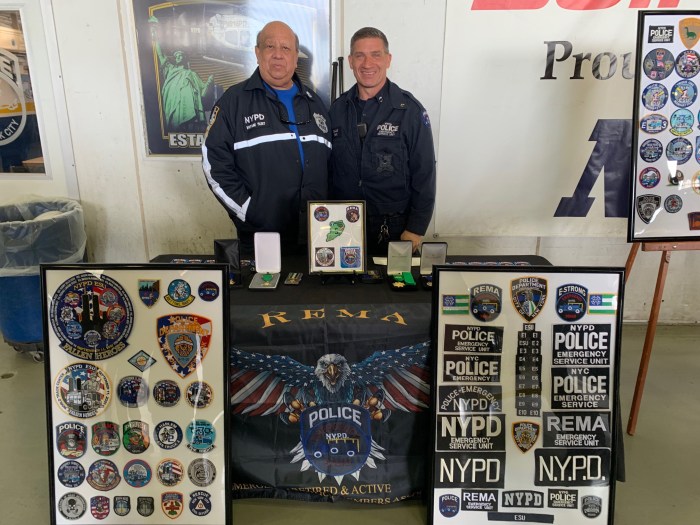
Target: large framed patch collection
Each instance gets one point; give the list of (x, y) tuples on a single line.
[(137, 398), (524, 394), (665, 193)]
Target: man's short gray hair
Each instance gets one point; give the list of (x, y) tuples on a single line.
[(369, 32)]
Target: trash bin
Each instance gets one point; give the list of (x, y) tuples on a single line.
[(33, 232)]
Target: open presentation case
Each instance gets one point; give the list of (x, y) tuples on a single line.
[(137, 399), (524, 394)]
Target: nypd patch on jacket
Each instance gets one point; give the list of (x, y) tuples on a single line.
[(251, 159), (393, 167)]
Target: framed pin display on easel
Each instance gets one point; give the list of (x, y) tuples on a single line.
[(336, 237), (664, 208), (665, 192), (137, 401), (524, 394)]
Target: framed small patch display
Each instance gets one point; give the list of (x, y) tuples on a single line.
[(336, 237), (525, 401), (136, 374), (665, 182)]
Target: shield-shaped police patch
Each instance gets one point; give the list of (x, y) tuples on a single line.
[(528, 295)]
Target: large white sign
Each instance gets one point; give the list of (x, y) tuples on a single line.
[(535, 132)]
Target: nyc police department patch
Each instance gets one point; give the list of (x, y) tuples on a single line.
[(184, 341), (528, 295), (525, 434), (648, 206)]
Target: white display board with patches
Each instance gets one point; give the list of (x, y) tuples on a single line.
[(137, 398), (524, 394), (336, 237), (665, 194)]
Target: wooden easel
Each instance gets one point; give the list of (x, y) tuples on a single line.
[(665, 248)]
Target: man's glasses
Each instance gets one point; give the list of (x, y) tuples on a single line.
[(294, 123)]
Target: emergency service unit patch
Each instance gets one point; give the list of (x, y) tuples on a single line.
[(528, 295), (571, 302), (184, 341), (82, 390), (486, 302)]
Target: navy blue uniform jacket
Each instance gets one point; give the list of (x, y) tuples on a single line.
[(394, 169)]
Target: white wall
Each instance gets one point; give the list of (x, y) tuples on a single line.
[(137, 208)]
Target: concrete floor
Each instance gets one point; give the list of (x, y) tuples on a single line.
[(662, 459)]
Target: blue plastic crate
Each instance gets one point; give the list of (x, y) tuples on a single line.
[(20, 309)]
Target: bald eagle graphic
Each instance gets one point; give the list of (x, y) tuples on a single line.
[(386, 381)]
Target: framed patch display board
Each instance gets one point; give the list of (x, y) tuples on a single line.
[(336, 237), (137, 397), (665, 193), (524, 394)]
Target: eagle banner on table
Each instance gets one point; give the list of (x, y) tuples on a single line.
[(536, 112), (328, 402), (190, 52)]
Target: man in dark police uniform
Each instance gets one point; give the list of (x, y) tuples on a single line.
[(267, 148), (382, 148)]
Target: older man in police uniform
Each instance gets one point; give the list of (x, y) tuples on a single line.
[(267, 147), (382, 148)]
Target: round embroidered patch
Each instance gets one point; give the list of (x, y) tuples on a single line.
[(166, 393), (72, 506), (658, 63), (71, 474), (92, 316), (201, 472), (199, 394), (654, 96), (137, 473), (167, 435)]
